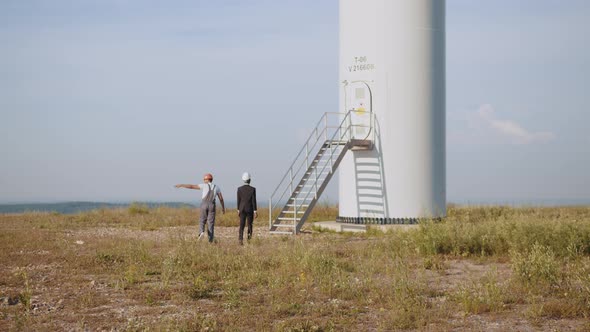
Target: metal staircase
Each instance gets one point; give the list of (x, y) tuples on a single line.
[(315, 164)]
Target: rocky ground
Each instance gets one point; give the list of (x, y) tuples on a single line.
[(53, 280)]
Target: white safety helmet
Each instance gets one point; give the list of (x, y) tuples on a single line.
[(246, 176)]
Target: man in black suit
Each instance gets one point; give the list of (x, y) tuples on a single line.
[(246, 206)]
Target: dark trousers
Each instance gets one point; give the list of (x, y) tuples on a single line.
[(250, 218)]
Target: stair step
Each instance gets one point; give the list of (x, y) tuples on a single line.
[(313, 179), (301, 199), (320, 167)]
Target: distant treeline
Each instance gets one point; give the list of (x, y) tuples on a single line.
[(76, 207)]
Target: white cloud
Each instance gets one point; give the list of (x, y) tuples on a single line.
[(512, 130)]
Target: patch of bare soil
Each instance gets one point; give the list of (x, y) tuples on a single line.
[(43, 295), (464, 272)]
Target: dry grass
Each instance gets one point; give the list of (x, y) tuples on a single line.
[(143, 269)]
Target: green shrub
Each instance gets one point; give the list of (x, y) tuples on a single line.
[(138, 208), (475, 231), (488, 295), (538, 265), (200, 289), (577, 286), (25, 296)]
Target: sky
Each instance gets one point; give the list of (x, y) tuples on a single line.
[(118, 100)]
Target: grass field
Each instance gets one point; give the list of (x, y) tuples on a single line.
[(482, 268)]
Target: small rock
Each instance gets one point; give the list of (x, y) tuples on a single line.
[(79, 242), (14, 300)]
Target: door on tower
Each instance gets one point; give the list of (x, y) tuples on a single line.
[(359, 101)]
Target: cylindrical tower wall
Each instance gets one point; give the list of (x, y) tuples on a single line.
[(394, 50)]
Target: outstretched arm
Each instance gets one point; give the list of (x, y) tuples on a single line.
[(221, 201), (188, 186)]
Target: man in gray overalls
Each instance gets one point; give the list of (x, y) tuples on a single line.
[(207, 204)]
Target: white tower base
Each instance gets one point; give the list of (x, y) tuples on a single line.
[(392, 63)]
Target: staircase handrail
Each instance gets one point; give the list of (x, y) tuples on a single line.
[(323, 119), (348, 131), (320, 130)]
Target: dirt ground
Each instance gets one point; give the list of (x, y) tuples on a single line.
[(62, 299)]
